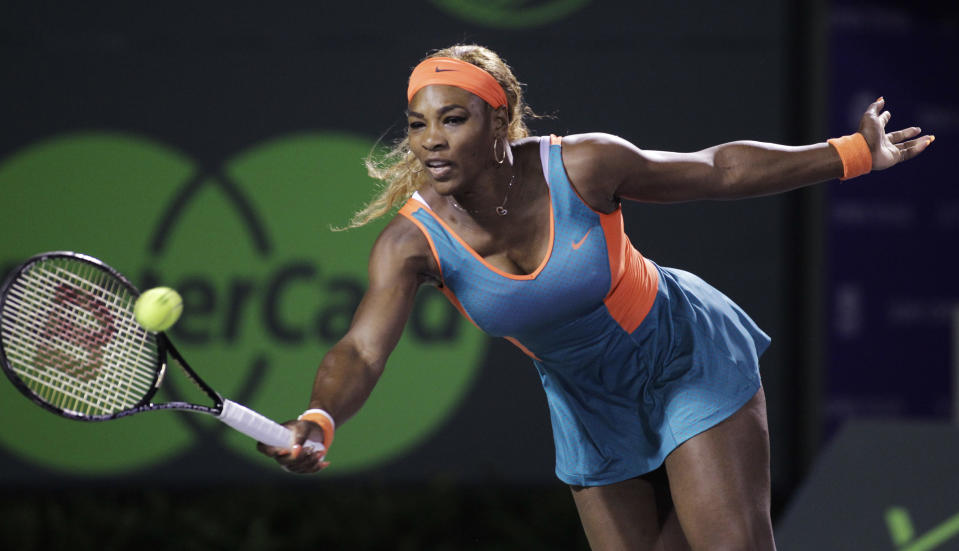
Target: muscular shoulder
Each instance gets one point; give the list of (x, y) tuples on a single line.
[(401, 250), (597, 163)]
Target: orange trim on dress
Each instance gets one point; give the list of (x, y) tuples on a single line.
[(633, 279), (451, 296), (407, 210), (556, 140), (494, 269), (525, 350)]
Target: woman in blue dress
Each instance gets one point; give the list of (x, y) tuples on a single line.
[(648, 371)]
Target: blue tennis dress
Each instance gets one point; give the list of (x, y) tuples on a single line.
[(634, 358)]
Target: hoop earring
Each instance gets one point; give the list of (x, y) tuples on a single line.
[(499, 161)]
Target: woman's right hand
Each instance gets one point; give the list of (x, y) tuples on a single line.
[(298, 458)]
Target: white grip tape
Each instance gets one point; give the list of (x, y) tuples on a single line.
[(260, 428)]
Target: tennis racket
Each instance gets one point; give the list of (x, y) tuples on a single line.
[(70, 343)]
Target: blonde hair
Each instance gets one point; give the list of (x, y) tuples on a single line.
[(395, 168)]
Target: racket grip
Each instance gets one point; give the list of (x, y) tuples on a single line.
[(261, 428)]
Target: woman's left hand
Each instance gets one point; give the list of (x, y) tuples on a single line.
[(890, 148)]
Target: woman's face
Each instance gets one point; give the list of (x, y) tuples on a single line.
[(451, 131)]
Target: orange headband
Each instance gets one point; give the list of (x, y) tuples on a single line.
[(453, 72)]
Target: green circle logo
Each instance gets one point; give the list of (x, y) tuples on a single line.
[(268, 288), (511, 14)]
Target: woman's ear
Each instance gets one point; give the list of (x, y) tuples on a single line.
[(500, 121)]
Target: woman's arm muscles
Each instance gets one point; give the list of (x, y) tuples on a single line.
[(350, 369), (610, 168), (605, 169), (748, 169), (399, 263)]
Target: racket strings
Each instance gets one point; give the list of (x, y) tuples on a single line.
[(120, 301), (116, 358), (69, 333), (52, 359), (63, 348)]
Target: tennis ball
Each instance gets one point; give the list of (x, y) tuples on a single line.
[(157, 309)]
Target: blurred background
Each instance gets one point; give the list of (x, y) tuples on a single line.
[(211, 146)]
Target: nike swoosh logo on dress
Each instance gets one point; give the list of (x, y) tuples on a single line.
[(578, 244)]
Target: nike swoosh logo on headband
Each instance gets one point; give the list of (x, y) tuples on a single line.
[(438, 70)]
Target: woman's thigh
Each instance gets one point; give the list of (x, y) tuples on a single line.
[(719, 481), (634, 514)]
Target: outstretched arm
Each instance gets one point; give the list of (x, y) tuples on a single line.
[(606, 168), (399, 263)]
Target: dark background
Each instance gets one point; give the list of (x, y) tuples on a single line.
[(214, 78)]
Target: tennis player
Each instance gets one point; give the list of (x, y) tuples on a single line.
[(652, 375)]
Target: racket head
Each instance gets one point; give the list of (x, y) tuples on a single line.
[(69, 341)]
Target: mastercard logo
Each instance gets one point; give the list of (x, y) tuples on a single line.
[(268, 289)]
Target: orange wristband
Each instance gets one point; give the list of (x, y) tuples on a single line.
[(324, 420), (854, 154)]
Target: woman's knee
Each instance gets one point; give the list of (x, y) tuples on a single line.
[(746, 533)]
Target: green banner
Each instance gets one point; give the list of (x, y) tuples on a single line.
[(511, 14), (268, 288)]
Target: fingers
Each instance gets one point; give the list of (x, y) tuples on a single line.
[(910, 149), (890, 148), (307, 435), (872, 125), (904, 134), (302, 430), (302, 458), (884, 118), (303, 463), (274, 451), (271, 450), (299, 457), (296, 459)]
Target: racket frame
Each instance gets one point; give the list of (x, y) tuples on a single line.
[(165, 348), (231, 413)]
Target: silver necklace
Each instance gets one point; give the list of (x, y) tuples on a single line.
[(500, 210)]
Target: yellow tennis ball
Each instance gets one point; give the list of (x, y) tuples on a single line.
[(158, 309)]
